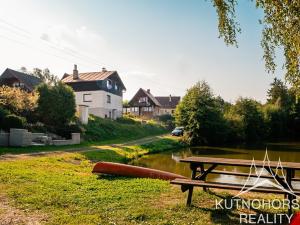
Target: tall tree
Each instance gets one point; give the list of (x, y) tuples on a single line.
[(45, 76), (199, 112), (281, 28), (279, 94)]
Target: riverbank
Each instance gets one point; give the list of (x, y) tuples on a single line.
[(59, 189)]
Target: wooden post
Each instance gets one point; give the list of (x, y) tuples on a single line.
[(194, 170), (204, 178), (289, 175)]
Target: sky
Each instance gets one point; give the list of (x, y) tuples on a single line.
[(162, 45)]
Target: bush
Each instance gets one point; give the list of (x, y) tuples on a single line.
[(18, 102), (126, 120), (66, 130), (13, 121), (3, 114), (167, 120), (56, 105)]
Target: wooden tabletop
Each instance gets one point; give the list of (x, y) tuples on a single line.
[(238, 162)]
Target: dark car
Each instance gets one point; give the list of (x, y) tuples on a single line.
[(178, 131)]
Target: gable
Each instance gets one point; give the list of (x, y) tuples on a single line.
[(140, 94), (29, 81)]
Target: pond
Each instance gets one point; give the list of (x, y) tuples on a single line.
[(169, 161)]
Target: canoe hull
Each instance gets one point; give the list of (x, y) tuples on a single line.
[(133, 171)]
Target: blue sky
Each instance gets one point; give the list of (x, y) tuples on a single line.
[(163, 45)]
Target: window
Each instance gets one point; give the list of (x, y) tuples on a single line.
[(87, 97), (143, 99), (145, 109), (18, 84), (108, 99), (109, 84), (150, 109), (116, 87)]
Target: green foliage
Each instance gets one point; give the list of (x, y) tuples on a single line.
[(276, 120), (3, 114), (167, 120), (279, 94), (13, 121), (99, 129), (18, 102), (126, 120), (45, 76), (199, 113), (56, 105), (280, 29), (251, 119)]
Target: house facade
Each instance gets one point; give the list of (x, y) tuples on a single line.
[(144, 104), (20, 80), (101, 92)]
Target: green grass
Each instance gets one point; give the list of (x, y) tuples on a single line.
[(99, 129), (98, 132), (63, 189), (126, 153)]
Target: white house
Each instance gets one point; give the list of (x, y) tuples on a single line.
[(101, 92)]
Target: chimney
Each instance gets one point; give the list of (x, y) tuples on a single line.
[(75, 73), (148, 91), (170, 98), (104, 69)]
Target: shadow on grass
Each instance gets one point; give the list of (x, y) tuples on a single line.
[(111, 177)]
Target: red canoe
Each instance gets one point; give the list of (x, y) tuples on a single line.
[(133, 171)]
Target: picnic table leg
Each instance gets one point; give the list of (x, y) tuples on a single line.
[(289, 175), (191, 188), (201, 172)]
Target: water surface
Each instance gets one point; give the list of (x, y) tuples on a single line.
[(169, 161)]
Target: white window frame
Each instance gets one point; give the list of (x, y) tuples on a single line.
[(85, 99)]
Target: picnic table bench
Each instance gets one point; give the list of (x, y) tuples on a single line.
[(200, 173)]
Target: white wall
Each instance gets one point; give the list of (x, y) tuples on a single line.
[(98, 104)]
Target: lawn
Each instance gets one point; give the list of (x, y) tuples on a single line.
[(61, 189)]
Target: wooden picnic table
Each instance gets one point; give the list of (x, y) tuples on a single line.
[(200, 173)]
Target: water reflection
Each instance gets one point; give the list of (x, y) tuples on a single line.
[(169, 161)]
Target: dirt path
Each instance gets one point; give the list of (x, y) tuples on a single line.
[(80, 149), (10, 215)]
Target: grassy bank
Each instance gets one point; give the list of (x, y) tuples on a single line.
[(99, 129), (60, 189), (125, 153), (98, 132)]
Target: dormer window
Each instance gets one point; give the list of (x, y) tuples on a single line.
[(116, 87), (109, 84)]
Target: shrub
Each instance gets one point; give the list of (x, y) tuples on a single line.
[(126, 120), (18, 102), (13, 121), (66, 130), (56, 105), (3, 114)]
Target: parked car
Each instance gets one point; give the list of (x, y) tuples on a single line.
[(178, 131)]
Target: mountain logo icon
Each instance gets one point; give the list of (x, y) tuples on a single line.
[(263, 182)]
